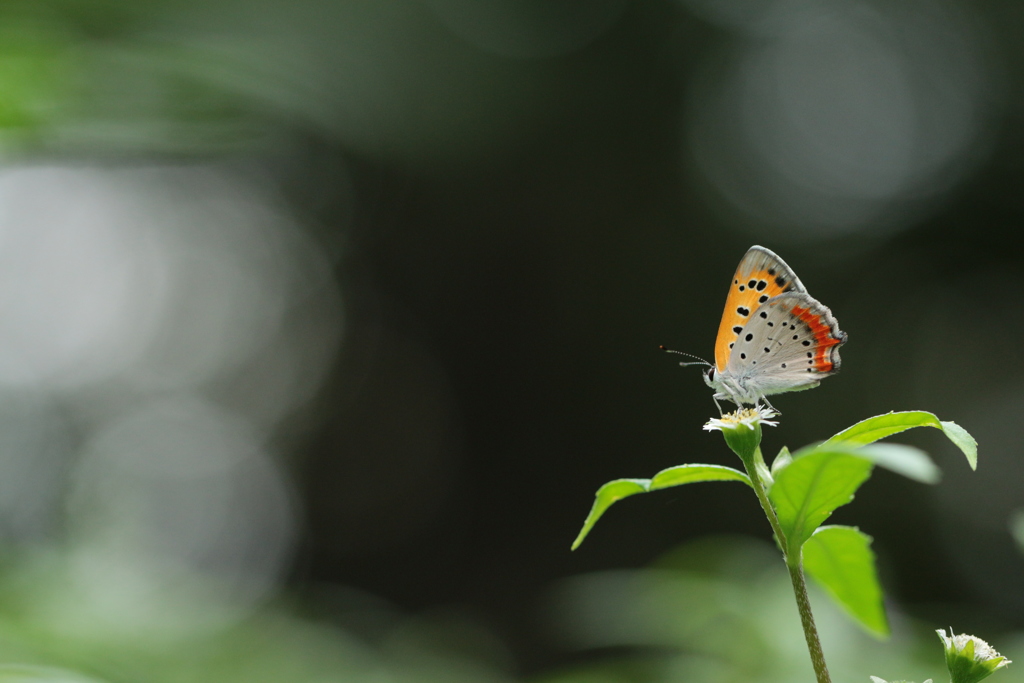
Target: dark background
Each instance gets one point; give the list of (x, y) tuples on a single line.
[(517, 204), (539, 283)]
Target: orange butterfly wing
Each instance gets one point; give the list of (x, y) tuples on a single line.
[(760, 276)]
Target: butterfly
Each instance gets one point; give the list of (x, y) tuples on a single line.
[(774, 337)]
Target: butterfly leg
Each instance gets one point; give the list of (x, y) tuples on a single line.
[(769, 404), (725, 396)]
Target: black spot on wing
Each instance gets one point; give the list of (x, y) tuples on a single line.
[(748, 337), (737, 329), (743, 311), (761, 284)]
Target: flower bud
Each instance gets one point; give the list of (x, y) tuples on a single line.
[(742, 430), (969, 658)]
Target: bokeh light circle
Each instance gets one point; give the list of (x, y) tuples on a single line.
[(824, 119)]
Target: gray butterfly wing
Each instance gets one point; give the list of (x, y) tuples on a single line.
[(760, 259), (789, 343), (760, 275)]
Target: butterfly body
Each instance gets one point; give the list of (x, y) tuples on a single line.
[(774, 337)]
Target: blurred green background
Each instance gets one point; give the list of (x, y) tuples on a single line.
[(321, 322)]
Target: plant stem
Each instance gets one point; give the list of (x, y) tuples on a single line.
[(796, 574)]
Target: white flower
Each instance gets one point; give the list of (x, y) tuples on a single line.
[(969, 658), (747, 417)]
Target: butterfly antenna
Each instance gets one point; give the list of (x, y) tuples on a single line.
[(696, 361)]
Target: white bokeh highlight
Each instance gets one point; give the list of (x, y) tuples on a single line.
[(823, 119), (176, 492), (156, 324)]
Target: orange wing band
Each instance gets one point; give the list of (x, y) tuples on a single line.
[(748, 291), (822, 337)]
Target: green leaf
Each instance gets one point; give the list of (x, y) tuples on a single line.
[(964, 441), (911, 462), (762, 471), (781, 460), (878, 427), (603, 499), (673, 476), (824, 477), (808, 489), (840, 559), (689, 474)]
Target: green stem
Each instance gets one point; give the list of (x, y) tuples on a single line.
[(796, 574)]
